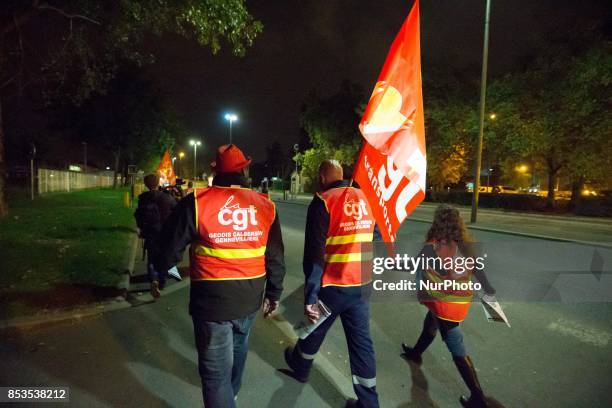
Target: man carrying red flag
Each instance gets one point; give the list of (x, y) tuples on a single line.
[(339, 230)]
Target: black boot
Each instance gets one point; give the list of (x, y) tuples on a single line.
[(414, 353), (468, 373), (299, 374)]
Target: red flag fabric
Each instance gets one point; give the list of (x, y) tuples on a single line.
[(165, 170), (392, 163)]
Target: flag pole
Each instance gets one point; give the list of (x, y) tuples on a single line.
[(483, 92), (357, 164)]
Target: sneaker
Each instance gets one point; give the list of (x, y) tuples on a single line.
[(289, 360), (155, 289), (174, 272)]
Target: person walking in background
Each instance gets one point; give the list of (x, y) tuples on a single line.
[(154, 207), (339, 221), (448, 239), (236, 260)]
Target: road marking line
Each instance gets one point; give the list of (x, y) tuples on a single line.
[(595, 337)]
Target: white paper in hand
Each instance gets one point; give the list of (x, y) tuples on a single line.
[(305, 327), (493, 311), (174, 272)]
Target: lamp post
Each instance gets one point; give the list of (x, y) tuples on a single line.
[(296, 148), (231, 117), (195, 144), (84, 156), (181, 165), (483, 91)]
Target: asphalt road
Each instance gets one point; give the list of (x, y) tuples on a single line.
[(557, 353)]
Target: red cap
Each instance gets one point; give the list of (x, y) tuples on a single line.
[(230, 159)]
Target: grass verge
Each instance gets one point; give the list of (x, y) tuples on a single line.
[(62, 249)]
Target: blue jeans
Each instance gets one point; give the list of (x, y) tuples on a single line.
[(154, 275), (451, 333), (354, 312), (222, 350)]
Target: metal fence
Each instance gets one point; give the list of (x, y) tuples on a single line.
[(60, 180)]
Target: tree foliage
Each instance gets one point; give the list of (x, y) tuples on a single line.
[(70, 49), (556, 113), (331, 124)]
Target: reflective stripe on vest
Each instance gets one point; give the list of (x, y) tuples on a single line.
[(452, 305), (348, 248), (230, 253), (233, 225)]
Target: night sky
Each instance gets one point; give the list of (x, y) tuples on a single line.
[(314, 45)]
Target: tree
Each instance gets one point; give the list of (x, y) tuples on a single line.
[(450, 120), (131, 121), (556, 113), (81, 43), (276, 162), (587, 117), (331, 124)]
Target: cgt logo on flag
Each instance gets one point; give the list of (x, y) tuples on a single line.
[(392, 164)]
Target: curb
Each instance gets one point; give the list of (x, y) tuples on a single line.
[(93, 309), (146, 297), (129, 262), (89, 311), (501, 231)]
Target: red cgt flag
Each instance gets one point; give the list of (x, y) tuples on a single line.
[(165, 170), (392, 162)]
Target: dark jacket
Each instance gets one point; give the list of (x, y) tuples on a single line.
[(222, 300), (154, 208), (317, 224)]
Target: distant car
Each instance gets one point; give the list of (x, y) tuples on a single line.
[(505, 190), (533, 190), (606, 193)]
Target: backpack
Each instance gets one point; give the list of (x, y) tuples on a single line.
[(148, 216)]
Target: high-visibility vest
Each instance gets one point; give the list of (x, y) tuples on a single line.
[(233, 225), (452, 305), (348, 246)]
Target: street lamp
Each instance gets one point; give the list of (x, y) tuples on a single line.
[(493, 116), (181, 155), (483, 91), (231, 117), (195, 144), (173, 160)]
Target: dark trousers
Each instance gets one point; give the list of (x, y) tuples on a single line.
[(222, 351), (152, 254), (354, 313)]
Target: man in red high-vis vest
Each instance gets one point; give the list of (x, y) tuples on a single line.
[(337, 247), (236, 260)]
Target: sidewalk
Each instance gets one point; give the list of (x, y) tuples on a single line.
[(138, 291), (588, 230)]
